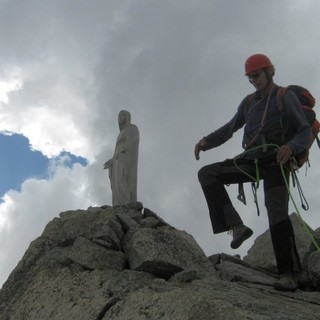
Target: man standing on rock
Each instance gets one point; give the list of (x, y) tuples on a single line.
[(269, 150)]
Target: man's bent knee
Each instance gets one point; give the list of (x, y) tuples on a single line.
[(207, 175)]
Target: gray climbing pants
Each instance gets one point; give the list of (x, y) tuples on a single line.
[(214, 177)]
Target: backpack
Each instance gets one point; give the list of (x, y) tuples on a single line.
[(307, 105)]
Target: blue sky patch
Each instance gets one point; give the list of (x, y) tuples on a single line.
[(18, 162)]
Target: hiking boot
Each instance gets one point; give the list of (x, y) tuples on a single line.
[(240, 234), (286, 282)]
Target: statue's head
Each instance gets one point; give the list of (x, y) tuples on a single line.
[(124, 118)]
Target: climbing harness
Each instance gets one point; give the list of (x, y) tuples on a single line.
[(255, 186)]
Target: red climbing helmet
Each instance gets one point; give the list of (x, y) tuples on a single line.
[(256, 62)]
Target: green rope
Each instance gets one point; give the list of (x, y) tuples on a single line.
[(311, 236), (257, 179)]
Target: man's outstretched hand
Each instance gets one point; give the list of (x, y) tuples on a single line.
[(198, 147)]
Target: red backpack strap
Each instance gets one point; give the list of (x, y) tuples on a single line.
[(280, 98), (247, 102)]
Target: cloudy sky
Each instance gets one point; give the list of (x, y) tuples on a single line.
[(68, 67)]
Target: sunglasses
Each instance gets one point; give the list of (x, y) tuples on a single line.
[(254, 75)]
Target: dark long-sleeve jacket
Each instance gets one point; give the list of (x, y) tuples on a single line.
[(289, 126)]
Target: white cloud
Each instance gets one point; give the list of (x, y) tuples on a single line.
[(6, 87), (9, 82)]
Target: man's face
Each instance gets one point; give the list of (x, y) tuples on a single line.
[(258, 79)]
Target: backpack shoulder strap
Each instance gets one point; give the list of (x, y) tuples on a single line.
[(247, 102), (280, 98)]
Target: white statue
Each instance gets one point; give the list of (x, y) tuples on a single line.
[(123, 167)]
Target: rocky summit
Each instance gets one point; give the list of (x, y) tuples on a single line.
[(123, 263)]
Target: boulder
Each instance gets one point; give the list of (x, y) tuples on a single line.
[(116, 263), (261, 254), (162, 251)]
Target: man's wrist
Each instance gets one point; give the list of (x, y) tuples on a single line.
[(203, 143)]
